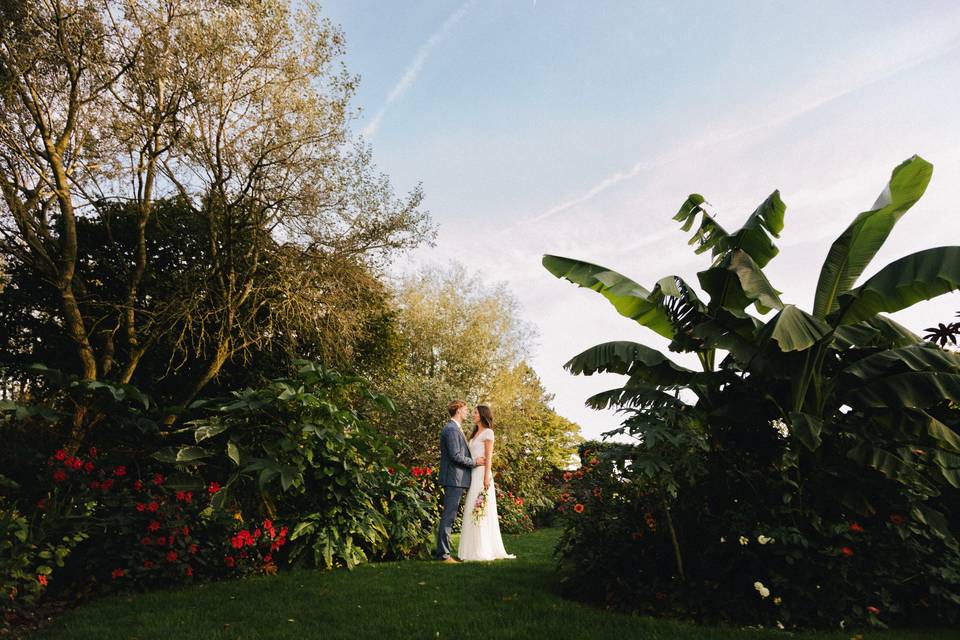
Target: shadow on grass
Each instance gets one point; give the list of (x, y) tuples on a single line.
[(414, 599)]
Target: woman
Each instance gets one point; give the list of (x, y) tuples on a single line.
[(480, 535)]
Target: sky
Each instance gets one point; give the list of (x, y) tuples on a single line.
[(578, 128)]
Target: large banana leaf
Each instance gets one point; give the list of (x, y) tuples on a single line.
[(753, 237), (753, 282), (633, 395), (918, 357), (902, 283), (907, 390), (628, 297), (854, 249), (794, 329), (638, 361), (876, 331)]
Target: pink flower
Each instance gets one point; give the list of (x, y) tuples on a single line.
[(872, 609)]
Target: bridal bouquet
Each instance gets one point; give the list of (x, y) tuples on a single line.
[(479, 507)]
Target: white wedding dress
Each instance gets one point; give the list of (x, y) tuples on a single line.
[(481, 541)]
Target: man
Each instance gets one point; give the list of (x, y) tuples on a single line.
[(456, 466)]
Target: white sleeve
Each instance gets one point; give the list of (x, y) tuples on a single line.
[(488, 435)]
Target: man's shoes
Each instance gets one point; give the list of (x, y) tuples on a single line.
[(450, 560)]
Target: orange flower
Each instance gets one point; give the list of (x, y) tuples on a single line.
[(856, 528), (578, 508), (567, 476), (594, 461), (42, 580), (564, 496)]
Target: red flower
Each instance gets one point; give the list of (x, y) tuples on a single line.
[(578, 508), (181, 495), (77, 464), (428, 471), (188, 571), (161, 541), (138, 485), (107, 484), (148, 564), (60, 455), (872, 609), (146, 541), (88, 467), (192, 549), (594, 462), (141, 507), (391, 470), (257, 533), (230, 562), (59, 475), (567, 476), (158, 479), (171, 556), (42, 503), (847, 551), (267, 559), (153, 506), (94, 484), (154, 525), (185, 530), (93, 452), (897, 519), (120, 471), (243, 554), (213, 488), (117, 573), (42, 580), (69, 461), (188, 496), (856, 528)]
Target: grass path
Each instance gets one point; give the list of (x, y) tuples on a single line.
[(505, 599)]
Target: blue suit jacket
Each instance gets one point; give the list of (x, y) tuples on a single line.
[(456, 464)]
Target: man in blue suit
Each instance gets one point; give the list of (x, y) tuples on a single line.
[(456, 467)]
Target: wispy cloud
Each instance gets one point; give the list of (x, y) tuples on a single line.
[(416, 66), (849, 76)]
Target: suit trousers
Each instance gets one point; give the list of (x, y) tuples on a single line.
[(451, 503)]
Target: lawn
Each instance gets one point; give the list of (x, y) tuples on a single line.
[(505, 599)]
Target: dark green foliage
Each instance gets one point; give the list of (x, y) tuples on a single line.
[(811, 476)]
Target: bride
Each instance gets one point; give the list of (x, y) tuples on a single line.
[(480, 536)]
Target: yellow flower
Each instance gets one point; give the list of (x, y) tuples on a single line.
[(238, 517)]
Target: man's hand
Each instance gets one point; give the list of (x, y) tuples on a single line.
[(478, 461)]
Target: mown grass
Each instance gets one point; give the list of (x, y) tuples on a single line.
[(505, 599)]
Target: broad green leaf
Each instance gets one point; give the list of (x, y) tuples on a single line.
[(912, 390), (753, 237), (936, 520), (191, 453), (753, 282), (854, 249), (877, 331), (633, 395), (887, 463), (918, 357), (943, 434), (209, 430), (636, 360), (627, 297), (806, 428), (903, 283), (795, 330), (233, 452)]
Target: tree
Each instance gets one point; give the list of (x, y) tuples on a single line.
[(236, 111), (460, 338)]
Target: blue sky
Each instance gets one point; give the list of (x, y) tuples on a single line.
[(578, 128)]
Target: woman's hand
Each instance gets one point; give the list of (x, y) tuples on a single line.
[(486, 481)]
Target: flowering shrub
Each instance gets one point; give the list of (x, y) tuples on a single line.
[(740, 549), (512, 513)]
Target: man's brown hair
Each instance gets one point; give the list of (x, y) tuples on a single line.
[(454, 406)]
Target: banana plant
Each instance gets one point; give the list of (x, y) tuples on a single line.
[(812, 366)]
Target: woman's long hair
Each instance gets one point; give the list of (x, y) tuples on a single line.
[(486, 417)]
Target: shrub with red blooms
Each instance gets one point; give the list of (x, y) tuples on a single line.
[(512, 513)]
